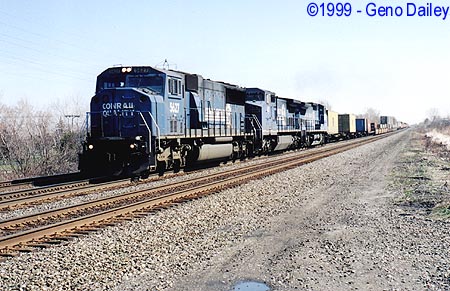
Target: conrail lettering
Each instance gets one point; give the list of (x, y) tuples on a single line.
[(118, 106), (118, 109)]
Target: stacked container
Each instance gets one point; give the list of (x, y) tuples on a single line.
[(333, 118), (362, 126), (347, 125)]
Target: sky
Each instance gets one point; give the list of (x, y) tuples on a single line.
[(52, 51)]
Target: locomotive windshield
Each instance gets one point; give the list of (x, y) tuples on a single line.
[(154, 82)]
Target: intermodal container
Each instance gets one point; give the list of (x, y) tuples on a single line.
[(373, 127), (347, 123), (362, 125), (333, 127)]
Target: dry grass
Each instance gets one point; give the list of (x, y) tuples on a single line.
[(424, 177)]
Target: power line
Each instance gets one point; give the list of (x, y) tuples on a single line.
[(90, 49), (24, 63), (39, 68), (41, 51), (68, 72), (27, 20)]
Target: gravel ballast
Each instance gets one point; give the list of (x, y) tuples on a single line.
[(329, 225)]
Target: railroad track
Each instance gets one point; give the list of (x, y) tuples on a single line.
[(56, 226), (46, 194), (19, 195), (9, 186), (23, 198), (21, 186)]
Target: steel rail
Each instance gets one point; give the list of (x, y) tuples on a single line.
[(16, 195), (5, 186), (56, 193)]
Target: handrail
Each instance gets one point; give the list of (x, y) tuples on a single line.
[(149, 133), (257, 121), (149, 130), (253, 117), (88, 115)]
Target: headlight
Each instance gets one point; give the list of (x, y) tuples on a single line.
[(138, 137), (132, 146), (90, 146)]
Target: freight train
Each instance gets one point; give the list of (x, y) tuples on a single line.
[(144, 119)]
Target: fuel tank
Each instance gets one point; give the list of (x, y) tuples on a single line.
[(284, 141), (208, 152)]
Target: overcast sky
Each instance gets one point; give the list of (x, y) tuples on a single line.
[(53, 50)]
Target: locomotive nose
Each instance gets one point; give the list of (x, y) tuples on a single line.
[(118, 112)]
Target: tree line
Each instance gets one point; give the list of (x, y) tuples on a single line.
[(38, 142)]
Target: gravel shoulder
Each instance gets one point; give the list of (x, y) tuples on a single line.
[(347, 232), (340, 223)]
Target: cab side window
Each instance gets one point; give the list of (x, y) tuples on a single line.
[(174, 86)]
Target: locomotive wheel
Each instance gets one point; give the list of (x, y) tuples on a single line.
[(145, 174), (161, 168), (176, 166)]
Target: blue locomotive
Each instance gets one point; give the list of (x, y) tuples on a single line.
[(144, 119)]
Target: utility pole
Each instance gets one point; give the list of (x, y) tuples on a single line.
[(72, 116)]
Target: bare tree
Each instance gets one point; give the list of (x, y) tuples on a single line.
[(371, 114), (35, 143), (433, 114), (74, 110)]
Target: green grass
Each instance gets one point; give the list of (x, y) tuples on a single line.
[(442, 211)]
